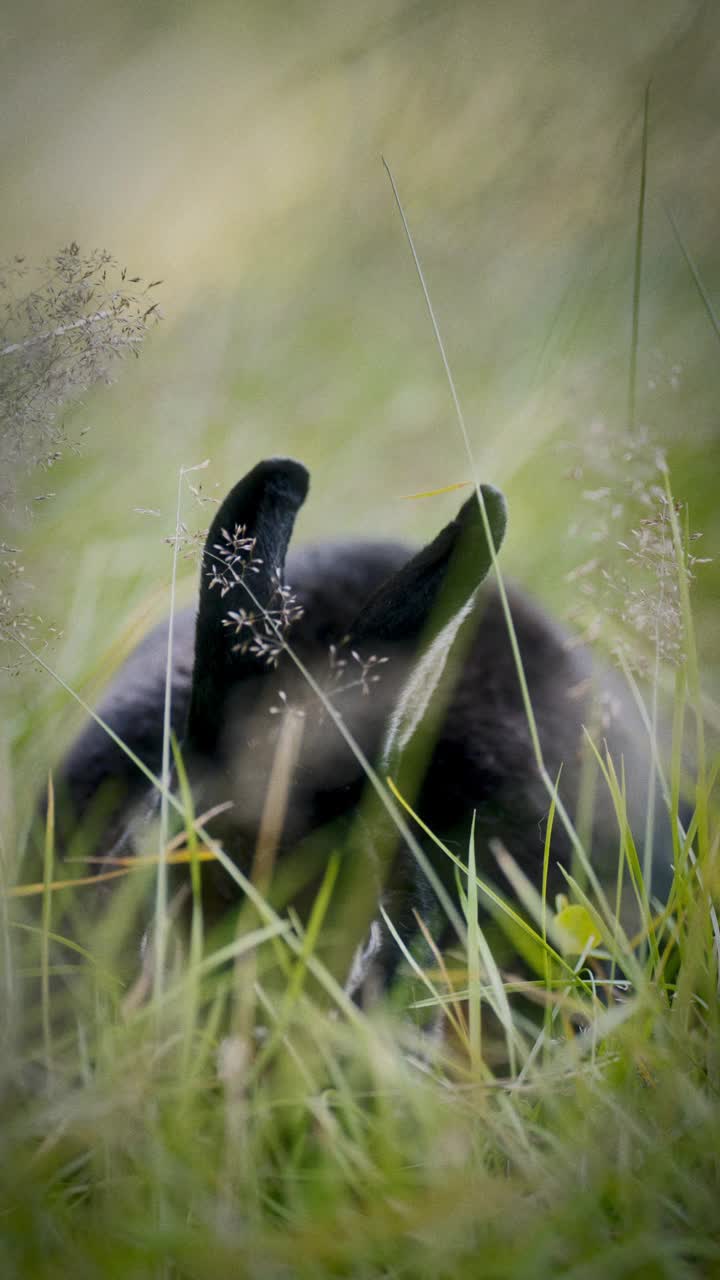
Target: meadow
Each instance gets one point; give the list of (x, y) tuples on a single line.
[(558, 168)]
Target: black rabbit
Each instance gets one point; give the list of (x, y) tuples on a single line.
[(419, 665)]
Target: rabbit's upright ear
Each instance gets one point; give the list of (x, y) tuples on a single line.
[(437, 583), (425, 603), (243, 563)]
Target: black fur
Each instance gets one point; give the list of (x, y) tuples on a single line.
[(467, 750), (331, 580)]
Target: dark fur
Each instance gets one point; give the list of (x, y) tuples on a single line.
[(331, 580), (477, 757)]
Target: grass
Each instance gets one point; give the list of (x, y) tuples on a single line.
[(241, 1119), (226, 1109)]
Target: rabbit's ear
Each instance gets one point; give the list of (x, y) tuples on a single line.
[(243, 563), (437, 583), (424, 605)]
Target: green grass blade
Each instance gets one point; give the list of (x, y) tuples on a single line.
[(697, 279), (637, 268), (48, 864)]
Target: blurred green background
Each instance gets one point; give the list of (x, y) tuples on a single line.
[(233, 149)]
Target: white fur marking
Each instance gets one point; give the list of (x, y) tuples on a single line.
[(424, 678)]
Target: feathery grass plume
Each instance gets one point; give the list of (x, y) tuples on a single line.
[(627, 587), (62, 327)]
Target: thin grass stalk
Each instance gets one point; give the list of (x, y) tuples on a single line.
[(296, 979), (75, 882), (647, 722), (548, 1012), (628, 852), (48, 863), (196, 924), (693, 673), (502, 592), (268, 1008), (454, 999), (269, 832), (652, 771), (498, 1000), (191, 1006), (619, 882), (697, 280), (160, 938), (678, 732), (637, 270), (276, 799), (106, 975), (261, 872), (473, 956), (471, 460), (586, 801), (7, 1013), (438, 1000)]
